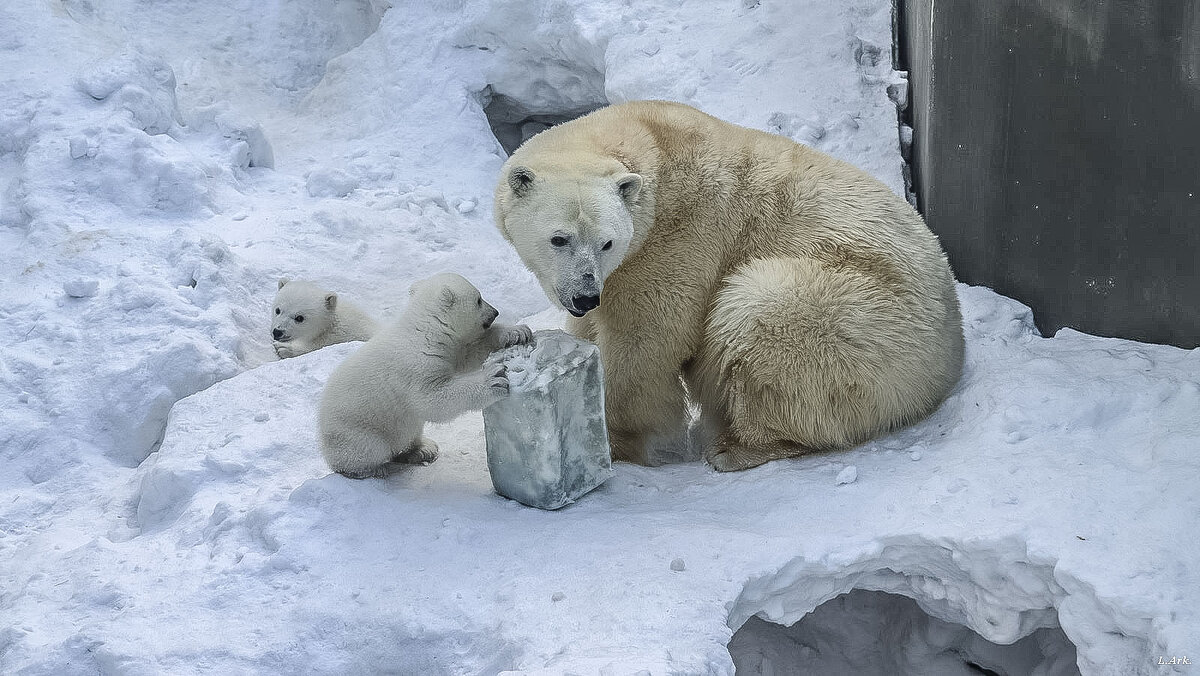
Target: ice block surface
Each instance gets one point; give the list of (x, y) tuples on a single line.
[(547, 443)]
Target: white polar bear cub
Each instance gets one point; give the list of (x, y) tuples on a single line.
[(426, 367), (308, 318)]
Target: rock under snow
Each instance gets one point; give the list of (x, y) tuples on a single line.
[(81, 288), (848, 475)]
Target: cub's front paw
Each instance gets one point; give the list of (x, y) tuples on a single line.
[(517, 335), (497, 381)]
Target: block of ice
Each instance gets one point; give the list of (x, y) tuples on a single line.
[(547, 443)]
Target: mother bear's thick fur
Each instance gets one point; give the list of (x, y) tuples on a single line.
[(805, 305)]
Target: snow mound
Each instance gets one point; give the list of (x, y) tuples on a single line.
[(238, 489), (272, 445)]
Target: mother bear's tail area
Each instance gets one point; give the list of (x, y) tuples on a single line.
[(800, 356)]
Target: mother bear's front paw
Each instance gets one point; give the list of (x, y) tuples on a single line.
[(726, 459), (729, 454)]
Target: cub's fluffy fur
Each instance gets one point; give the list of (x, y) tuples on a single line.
[(425, 367), (307, 317)]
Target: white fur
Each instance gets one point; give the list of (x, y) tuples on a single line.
[(425, 367), (306, 317), (805, 306), (592, 230)]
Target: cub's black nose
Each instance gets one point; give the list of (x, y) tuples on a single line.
[(585, 303), (276, 333)]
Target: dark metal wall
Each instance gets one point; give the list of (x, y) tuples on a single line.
[(1057, 155)]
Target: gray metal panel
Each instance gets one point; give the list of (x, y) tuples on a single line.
[(1058, 153)]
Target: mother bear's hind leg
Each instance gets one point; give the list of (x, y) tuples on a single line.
[(796, 356)]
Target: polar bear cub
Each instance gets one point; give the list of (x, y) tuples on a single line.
[(308, 318), (425, 367)]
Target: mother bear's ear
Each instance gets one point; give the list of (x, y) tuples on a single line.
[(520, 179), (629, 185)]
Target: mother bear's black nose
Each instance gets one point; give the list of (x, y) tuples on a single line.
[(585, 303), (276, 333)]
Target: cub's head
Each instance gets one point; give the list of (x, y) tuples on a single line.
[(302, 311), (571, 228), (455, 302)]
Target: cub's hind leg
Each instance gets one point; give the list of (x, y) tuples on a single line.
[(356, 453), (422, 452)]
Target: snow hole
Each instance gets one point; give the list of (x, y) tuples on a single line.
[(513, 121), (551, 73), (874, 632)]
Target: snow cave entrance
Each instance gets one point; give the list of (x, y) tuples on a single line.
[(514, 121), (877, 633)]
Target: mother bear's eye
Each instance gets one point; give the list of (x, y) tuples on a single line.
[(558, 240), (276, 310), (607, 246), (299, 318)]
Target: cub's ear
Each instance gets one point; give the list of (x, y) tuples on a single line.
[(629, 185), (331, 300), (283, 281), (520, 179)]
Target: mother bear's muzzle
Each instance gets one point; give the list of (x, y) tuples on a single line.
[(580, 305)]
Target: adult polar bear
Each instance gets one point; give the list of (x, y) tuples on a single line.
[(806, 306)]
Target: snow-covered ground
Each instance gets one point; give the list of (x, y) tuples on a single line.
[(163, 163)]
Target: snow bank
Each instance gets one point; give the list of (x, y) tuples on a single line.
[(165, 509), (242, 532), (877, 633)]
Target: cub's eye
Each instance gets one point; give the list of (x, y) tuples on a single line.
[(299, 319), (276, 310), (479, 301), (607, 246), (558, 240)]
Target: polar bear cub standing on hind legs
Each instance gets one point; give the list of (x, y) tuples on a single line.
[(425, 367), (307, 317)]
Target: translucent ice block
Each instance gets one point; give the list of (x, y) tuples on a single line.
[(547, 443)]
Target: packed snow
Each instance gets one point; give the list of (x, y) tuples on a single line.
[(165, 509)]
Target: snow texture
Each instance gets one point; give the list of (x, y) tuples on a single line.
[(547, 443), (164, 507)]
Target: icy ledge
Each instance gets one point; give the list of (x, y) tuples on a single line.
[(996, 588), (1054, 487)]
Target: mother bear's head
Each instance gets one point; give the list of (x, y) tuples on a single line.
[(571, 223)]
